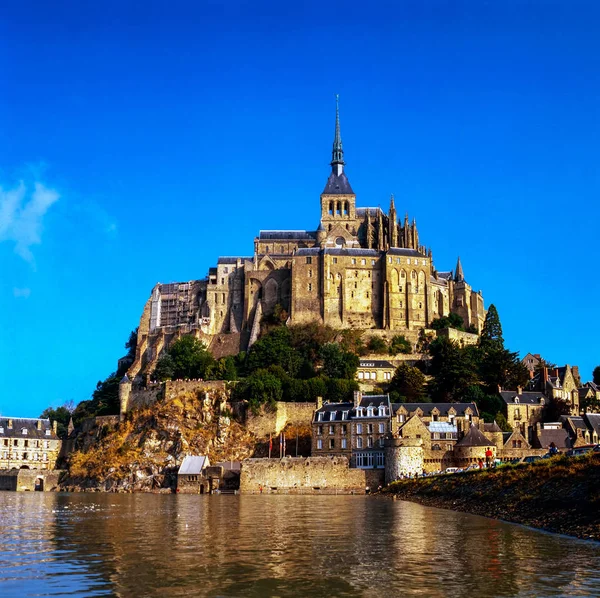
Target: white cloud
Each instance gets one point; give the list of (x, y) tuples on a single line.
[(21, 293), (22, 211)]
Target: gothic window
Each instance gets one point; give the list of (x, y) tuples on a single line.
[(346, 210), (338, 208), (402, 274), (331, 208)]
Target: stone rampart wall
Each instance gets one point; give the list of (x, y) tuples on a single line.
[(312, 475), (25, 479), (462, 338), (274, 421)]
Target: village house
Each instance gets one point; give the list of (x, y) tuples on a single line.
[(196, 476), (28, 443), (374, 372), (523, 409), (551, 434), (531, 362)]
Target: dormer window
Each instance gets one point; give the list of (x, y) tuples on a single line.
[(370, 412), (344, 415), (24, 431), (401, 418), (332, 416), (48, 432), (1, 430), (320, 417)]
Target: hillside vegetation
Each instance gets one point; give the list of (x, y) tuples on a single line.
[(561, 494), (144, 451)]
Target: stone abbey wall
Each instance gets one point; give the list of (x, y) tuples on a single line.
[(273, 422), (312, 475)]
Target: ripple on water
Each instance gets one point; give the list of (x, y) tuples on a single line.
[(156, 545)]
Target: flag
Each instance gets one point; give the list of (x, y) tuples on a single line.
[(270, 445), (284, 445)]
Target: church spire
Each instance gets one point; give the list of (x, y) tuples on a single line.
[(337, 154), (459, 274)]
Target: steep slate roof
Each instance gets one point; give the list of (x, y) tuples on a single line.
[(30, 424), (375, 401), (492, 427), (193, 465), (232, 259), (358, 251), (337, 185), (560, 437), (285, 234), (593, 420), (308, 251), (443, 408), (374, 363), (404, 251), (374, 212), (474, 437), (333, 411), (526, 398)]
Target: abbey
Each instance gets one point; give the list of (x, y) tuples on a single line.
[(361, 268)]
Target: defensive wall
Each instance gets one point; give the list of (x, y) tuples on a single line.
[(459, 336), (273, 421), (23, 480), (311, 475)]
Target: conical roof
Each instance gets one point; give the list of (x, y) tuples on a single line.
[(474, 437)]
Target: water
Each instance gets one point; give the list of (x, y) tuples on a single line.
[(167, 545)]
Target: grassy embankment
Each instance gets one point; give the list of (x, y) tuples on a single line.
[(560, 495)]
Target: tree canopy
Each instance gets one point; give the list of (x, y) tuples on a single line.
[(407, 385), (596, 375), (188, 358), (61, 415)]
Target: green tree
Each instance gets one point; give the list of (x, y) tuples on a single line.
[(408, 383), (491, 333), (61, 415), (225, 369), (260, 388), (399, 344), (274, 349), (498, 367), (453, 369), (555, 409), (452, 320), (377, 345), (489, 405), (596, 375), (165, 368), (191, 358), (338, 363), (503, 422)]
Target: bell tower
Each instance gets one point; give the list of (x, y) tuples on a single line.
[(338, 201)]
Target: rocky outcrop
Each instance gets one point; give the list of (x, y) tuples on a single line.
[(144, 451), (558, 495)]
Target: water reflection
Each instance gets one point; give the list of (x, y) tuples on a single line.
[(125, 545)]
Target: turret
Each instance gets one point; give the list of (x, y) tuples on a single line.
[(392, 225)]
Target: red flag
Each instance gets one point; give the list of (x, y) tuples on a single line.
[(270, 445)]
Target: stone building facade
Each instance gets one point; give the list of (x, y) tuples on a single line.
[(29, 443), (361, 268)]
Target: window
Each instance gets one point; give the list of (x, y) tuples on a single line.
[(353, 261), (387, 375), (363, 262), (367, 294), (448, 447), (332, 443), (335, 260), (48, 432), (222, 281), (309, 260), (344, 428), (372, 262), (1, 430), (319, 430), (359, 442), (319, 444), (382, 428), (380, 459), (321, 418), (310, 286), (418, 436), (344, 443), (344, 416), (310, 273), (331, 429), (401, 418), (370, 442), (408, 261), (369, 428), (359, 428), (24, 431), (436, 435), (381, 441), (361, 375)]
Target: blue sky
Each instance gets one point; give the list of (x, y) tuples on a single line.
[(141, 140)]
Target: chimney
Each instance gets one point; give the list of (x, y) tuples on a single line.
[(319, 402), (357, 398), (499, 388), (556, 372), (519, 390), (55, 427), (39, 424), (545, 374)]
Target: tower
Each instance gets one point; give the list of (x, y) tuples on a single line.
[(338, 201), (392, 224)]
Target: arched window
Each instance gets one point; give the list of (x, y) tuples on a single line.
[(346, 208), (338, 208), (331, 208)]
